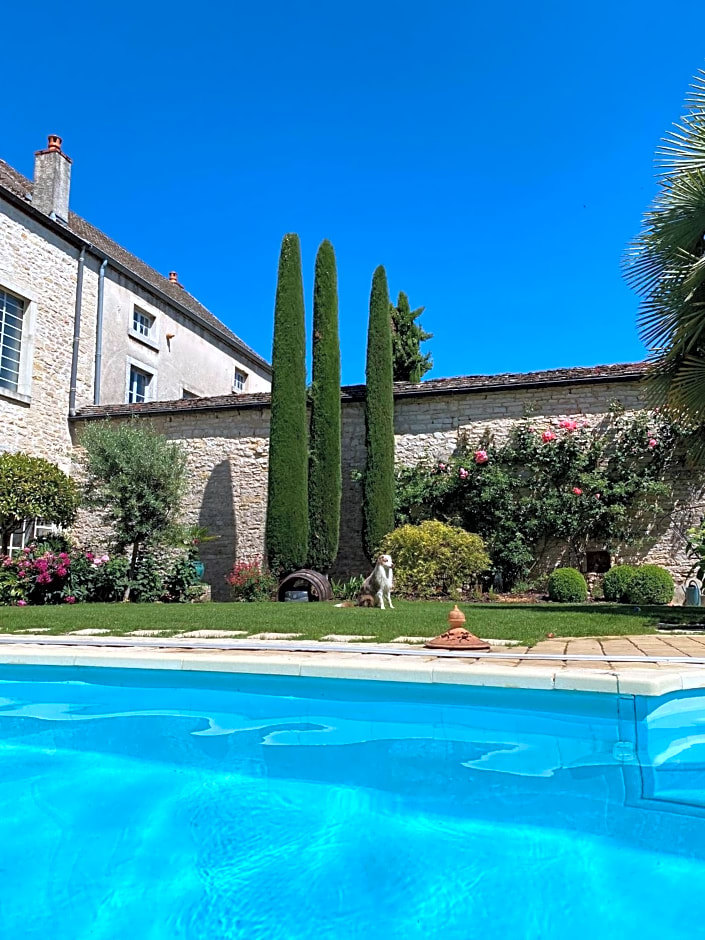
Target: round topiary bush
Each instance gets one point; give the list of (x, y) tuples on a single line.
[(651, 584), (616, 582), (433, 559), (567, 585)]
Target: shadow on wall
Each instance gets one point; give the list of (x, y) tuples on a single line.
[(218, 516)]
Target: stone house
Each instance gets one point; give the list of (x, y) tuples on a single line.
[(83, 321)]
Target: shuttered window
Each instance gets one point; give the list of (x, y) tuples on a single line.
[(11, 315)]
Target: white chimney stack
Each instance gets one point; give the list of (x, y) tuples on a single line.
[(52, 180)]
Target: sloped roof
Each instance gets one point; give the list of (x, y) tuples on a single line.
[(580, 375), (20, 187)]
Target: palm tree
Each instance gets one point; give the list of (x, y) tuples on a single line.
[(666, 266)]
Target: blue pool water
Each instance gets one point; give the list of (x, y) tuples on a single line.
[(150, 805)]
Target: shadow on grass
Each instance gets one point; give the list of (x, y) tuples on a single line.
[(657, 613)]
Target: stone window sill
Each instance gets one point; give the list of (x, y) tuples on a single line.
[(145, 340), (15, 396)]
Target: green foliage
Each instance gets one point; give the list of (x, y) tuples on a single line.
[(378, 480), (569, 484), (136, 479), (286, 535), (324, 474), (666, 266), (33, 488), (696, 549), (410, 364), (567, 585), (616, 581), (251, 581), (98, 578), (434, 559), (347, 590), (650, 584)]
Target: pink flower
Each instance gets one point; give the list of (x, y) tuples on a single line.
[(548, 436), (463, 473), (652, 443), (577, 491), (481, 456), (89, 556), (41, 564), (441, 466), (569, 425), (61, 571), (70, 599), (21, 603), (104, 558), (44, 578), (598, 495)]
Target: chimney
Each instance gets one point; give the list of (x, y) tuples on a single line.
[(52, 180), (173, 277)]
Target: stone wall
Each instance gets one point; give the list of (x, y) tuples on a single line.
[(228, 449)]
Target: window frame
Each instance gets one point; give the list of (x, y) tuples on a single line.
[(29, 533), (146, 369), (152, 338), (23, 393), (245, 377)]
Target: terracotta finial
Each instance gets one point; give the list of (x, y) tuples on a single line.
[(456, 618), (456, 636)]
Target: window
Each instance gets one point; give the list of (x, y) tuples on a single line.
[(598, 562), (142, 323), (186, 394), (240, 381), (29, 532), (11, 320), (138, 387)]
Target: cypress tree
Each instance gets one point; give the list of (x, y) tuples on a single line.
[(286, 535), (410, 364), (378, 493), (324, 479)]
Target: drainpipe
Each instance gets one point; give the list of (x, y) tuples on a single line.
[(99, 334), (76, 333)]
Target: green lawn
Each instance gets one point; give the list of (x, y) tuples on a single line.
[(525, 623)]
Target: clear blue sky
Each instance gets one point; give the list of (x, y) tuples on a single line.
[(496, 157)]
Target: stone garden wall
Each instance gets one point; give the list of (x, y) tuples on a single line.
[(227, 448)]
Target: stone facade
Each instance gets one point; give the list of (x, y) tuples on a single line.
[(227, 450)]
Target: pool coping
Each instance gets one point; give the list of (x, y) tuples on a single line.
[(650, 679)]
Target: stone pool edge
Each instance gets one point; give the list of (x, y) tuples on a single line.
[(634, 680)]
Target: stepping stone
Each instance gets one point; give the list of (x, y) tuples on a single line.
[(88, 632), (34, 630), (275, 636), (345, 638), (502, 642), (410, 639), (212, 634), (145, 633)]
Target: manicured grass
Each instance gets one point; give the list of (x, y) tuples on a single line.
[(525, 623)]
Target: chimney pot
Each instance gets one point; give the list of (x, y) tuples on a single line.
[(54, 145), (173, 277)]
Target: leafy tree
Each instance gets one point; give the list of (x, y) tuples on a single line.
[(286, 535), (33, 488), (378, 479), (324, 480), (136, 479), (666, 266), (572, 484), (410, 364)]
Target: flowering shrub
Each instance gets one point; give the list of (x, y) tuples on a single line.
[(569, 483), (251, 581), (433, 559)]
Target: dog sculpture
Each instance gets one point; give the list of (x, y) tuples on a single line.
[(378, 586)]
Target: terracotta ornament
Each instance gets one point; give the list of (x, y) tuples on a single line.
[(457, 637)]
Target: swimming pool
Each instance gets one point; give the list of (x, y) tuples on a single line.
[(149, 805)]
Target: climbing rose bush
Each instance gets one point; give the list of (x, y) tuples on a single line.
[(569, 482)]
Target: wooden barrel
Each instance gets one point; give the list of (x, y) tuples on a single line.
[(316, 585)]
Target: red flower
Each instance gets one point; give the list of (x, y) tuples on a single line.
[(548, 436), (481, 456), (577, 491), (652, 443)]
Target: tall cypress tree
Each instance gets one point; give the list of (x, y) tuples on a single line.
[(410, 364), (324, 477), (286, 535), (378, 493)]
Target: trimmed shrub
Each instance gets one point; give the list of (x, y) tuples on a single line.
[(567, 586), (324, 470), (286, 534), (651, 584), (616, 582), (434, 559), (378, 480)]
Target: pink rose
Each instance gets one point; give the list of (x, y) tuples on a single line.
[(70, 599), (652, 443), (441, 466), (548, 436), (577, 491), (569, 425), (481, 456), (21, 603), (463, 473)]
